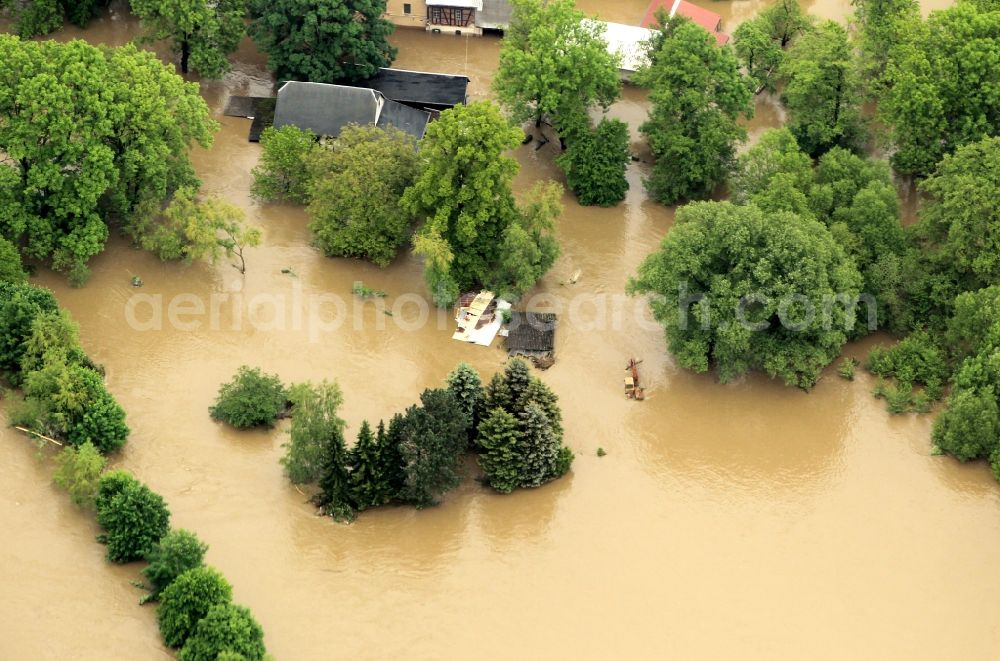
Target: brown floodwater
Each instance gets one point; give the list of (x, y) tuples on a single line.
[(745, 520)]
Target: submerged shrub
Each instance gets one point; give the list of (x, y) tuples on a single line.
[(228, 631), (187, 600), (177, 552), (78, 471), (133, 516), (251, 399)]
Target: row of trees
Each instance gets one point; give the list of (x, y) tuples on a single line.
[(321, 40), (514, 424), (195, 612), (366, 188), (64, 393)]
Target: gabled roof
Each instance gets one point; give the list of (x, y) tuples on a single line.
[(327, 109), (420, 88), (703, 17), (532, 331)]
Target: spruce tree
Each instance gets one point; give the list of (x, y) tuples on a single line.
[(467, 387), (500, 460), (390, 458), (368, 484), (334, 498), (538, 449)]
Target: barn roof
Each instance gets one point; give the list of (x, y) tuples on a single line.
[(327, 109), (532, 331), (420, 88)]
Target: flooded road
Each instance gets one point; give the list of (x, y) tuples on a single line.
[(748, 520)]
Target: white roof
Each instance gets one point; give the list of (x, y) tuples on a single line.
[(628, 41), (468, 4)]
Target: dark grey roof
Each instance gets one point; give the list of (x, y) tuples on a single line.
[(532, 331), (419, 88), (326, 109), (406, 119)]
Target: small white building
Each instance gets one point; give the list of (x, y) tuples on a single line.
[(628, 41)]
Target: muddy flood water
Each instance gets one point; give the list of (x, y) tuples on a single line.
[(748, 520)]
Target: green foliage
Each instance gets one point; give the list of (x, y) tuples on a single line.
[(969, 426), (529, 247), (11, 269), (361, 290), (555, 64), (740, 289), (36, 17), (822, 90), (315, 425), (601, 452), (463, 191), (698, 95), (335, 495), (92, 135), (54, 338), (177, 552), (202, 32), (846, 368), (522, 436), (78, 471), (883, 25), (227, 630), (916, 360), (355, 188), (251, 399), (595, 163), (71, 402), (201, 229), (187, 600), (432, 438), (467, 387), (283, 172), (760, 55), (776, 155), (785, 21), (20, 305), (134, 518), (327, 41), (938, 93)]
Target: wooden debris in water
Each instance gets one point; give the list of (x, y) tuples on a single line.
[(41, 436), (632, 388)]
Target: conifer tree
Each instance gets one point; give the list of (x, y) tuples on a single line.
[(368, 484), (538, 449), (334, 498), (500, 458), (467, 387)]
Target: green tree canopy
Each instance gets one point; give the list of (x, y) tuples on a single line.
[(355, 189), (466, 385), (202, 32), (134, 518), (939, 92), (432, 438), (315, 424), (11, 268), (177, 552), (90, 135), (758, 52), (20, 305), (78, 471), (463, 193), (35, 17), (595, 162), (187, 600), (226, 629), (738, 289), (324, 41), (883, 25), (251, 399), (822, 90), (283, 172), (785, 21), (698, 95), (555, 63)]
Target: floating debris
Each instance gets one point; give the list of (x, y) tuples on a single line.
[(362, 291), (288, 271), (632, 388), (137, 281)]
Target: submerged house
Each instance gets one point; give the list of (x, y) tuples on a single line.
[(703, 17), (326, 109), (462, 17), (533, 335)]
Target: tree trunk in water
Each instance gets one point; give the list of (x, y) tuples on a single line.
[(185, 54)]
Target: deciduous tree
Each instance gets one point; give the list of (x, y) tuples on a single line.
[(134, 518), (11, 268), (251, 399), (226, 631), (78, 471), (202, 32), (177, 552), (324, 41), (283, 172), (739, 289), (595, 161), (315, 424), (355, 189), (187, 600), (698, 95), (554, 63)]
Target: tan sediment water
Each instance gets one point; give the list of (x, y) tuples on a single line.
[(747, 520)]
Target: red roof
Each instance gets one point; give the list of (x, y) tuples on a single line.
[(703, 17)]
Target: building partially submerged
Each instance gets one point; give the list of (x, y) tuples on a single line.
[(420, 89), (533, 335), (462, 17), (703, 17), (326, 109), (479, 318), (629, 43)]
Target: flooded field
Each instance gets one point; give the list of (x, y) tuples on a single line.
[(740, 521)]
